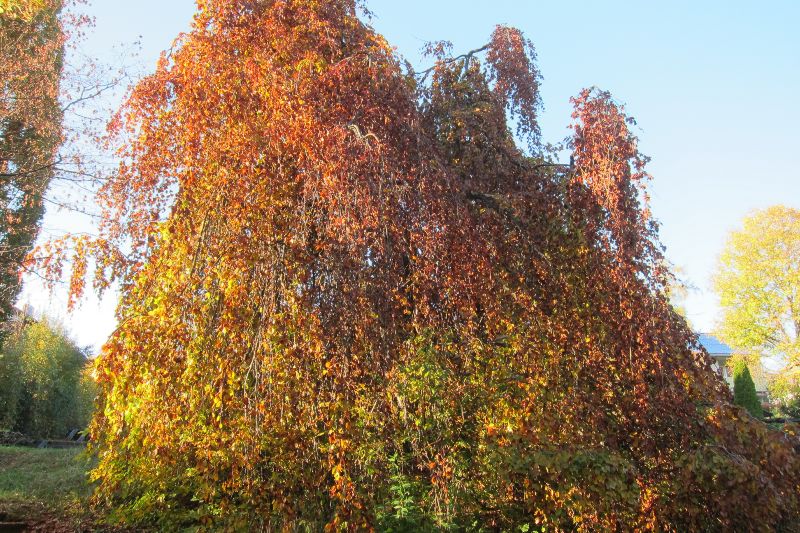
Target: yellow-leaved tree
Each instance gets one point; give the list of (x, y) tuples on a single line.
[(758, 283)]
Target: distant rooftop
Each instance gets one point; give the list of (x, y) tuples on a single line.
[(713, 345)]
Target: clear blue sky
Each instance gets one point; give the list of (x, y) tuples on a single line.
[(713, 85)]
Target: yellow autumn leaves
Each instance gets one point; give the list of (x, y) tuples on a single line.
[(24, 9)]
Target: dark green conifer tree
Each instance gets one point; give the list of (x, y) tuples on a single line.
[(744, 390)]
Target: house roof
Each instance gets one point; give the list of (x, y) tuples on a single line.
[(713, 345)]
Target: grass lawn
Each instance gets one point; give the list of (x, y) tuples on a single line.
[(46, 489)]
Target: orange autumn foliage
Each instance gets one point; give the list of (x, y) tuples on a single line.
[(32, 41), (351, 301)]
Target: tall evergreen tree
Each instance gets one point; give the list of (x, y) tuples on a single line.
[(744, 389)]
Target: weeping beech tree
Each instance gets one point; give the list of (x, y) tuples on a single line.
[(350, 300)]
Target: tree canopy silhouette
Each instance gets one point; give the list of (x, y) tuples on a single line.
[(350, 300)]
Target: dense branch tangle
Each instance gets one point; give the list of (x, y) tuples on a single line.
[(351, 301)]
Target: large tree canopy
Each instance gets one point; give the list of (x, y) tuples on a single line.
[(350, 300), (758, 282)]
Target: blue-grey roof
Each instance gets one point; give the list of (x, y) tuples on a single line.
[(713, 345)]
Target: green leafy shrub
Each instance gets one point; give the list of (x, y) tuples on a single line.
[(785, 393), (45, 386)]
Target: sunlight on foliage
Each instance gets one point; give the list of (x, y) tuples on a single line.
[(351, 301), (45, 388), (23, 9)]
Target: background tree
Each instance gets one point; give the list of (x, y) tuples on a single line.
[(784, 395), (31, 59), (758, 283), (44, 384), (351, 300), (50, 115), (744, 389)]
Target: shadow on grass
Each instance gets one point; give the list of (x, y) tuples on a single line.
[(47, 490)]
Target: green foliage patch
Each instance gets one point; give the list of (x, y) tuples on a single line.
[(45, 387)]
